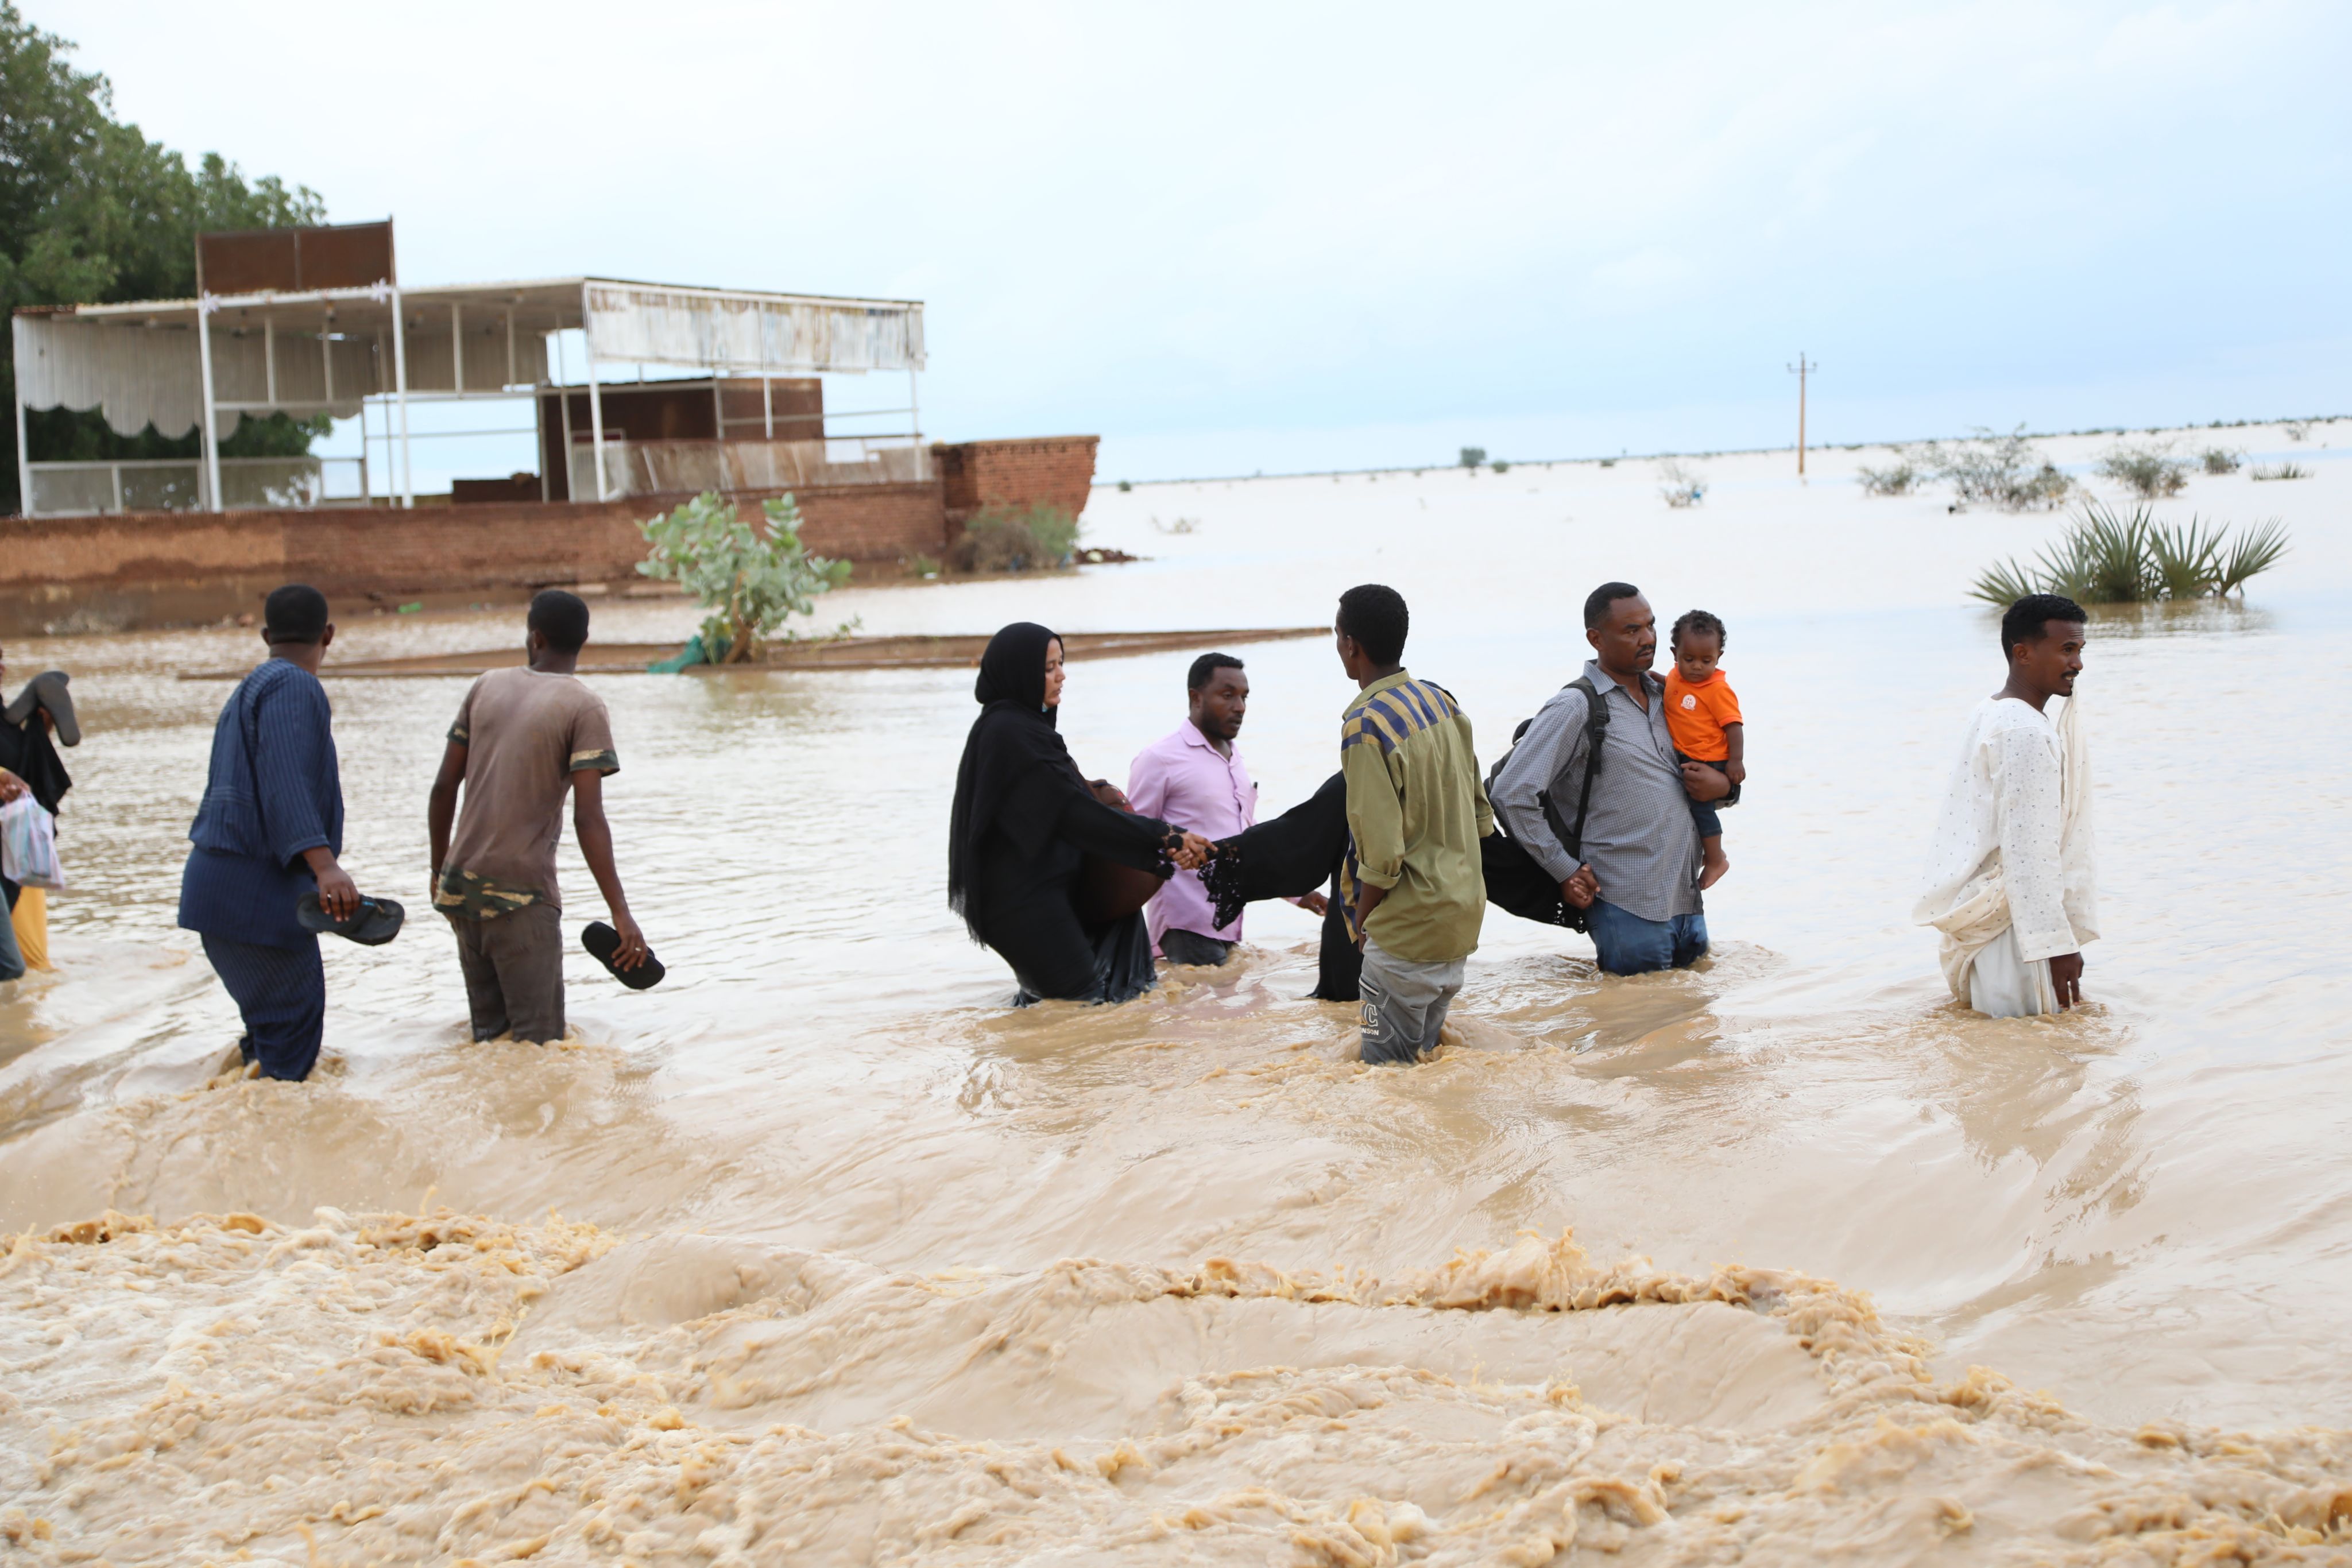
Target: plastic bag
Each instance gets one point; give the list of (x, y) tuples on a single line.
[(28, 845)]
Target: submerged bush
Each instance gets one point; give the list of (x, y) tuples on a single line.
[(2220, 460), (2107, 557), (2148, 472), (751, 585), (1900, 479), (2004, 471), (1016, 539), (1680, 487)]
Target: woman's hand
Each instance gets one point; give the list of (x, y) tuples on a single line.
[(11, 786), (1194, 852)]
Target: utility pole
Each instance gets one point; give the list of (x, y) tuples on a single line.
[(1801, 369)]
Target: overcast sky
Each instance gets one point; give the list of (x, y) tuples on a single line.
[(1288, 237)]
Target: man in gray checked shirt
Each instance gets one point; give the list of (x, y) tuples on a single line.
[(1639, 874)]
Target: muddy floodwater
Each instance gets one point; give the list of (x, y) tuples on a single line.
[(819, 1253)]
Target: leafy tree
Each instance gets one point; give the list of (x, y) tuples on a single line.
[(93, 211), (751, 585)]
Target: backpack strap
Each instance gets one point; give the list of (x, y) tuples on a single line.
[(1596, 729)]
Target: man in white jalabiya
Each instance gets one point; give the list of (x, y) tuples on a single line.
[(2012, 880)]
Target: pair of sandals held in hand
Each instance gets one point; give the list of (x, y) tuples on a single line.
[(377, 921)]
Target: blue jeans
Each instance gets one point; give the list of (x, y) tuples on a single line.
[(1629, 944), (12, 959)]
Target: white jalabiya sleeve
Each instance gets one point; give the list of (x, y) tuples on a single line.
[(2032, 817)]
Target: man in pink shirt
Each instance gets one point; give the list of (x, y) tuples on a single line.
[(1194, 779)]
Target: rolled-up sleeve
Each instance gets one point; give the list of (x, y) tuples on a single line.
[(290, 739), (1552, 746)]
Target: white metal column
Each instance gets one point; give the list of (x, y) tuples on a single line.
[(538, 418), (400, 392), (212, 415), (914, 407), (595, 399), (24, 454), (270, 359), (768, 405), (456, 350)]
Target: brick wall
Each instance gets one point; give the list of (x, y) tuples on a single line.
[(150, 568), (155, 567), (1055, 470)]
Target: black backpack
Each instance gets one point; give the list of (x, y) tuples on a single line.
[(1514, 880)]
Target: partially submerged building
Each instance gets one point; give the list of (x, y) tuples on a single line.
[(303, 321)]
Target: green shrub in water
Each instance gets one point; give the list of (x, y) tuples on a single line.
[(751, 585), (1899, 479), (2107, 557), (1016, 539), (2003, 471), (2148, 472)]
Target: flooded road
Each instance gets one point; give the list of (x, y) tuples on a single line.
[(855, 1264)]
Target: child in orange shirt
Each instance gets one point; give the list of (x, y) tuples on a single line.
[(1702, 716)]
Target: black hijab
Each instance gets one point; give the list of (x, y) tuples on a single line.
[(27, 751), (1013, 734)]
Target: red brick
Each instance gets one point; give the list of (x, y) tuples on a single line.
[(150, 568)]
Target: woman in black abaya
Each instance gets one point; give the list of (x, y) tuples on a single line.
[(1024, 821)]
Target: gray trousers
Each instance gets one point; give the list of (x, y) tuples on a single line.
[(513, 965), (1404, 1004)]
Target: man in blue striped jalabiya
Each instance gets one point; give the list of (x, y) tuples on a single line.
[(267, 832)]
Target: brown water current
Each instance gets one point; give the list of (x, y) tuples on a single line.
[(821, 1254)]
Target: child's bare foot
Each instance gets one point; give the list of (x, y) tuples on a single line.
[(1718, 863)]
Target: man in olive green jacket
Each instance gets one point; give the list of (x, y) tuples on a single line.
[(1416, 811)]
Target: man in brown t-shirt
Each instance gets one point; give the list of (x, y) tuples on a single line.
[(523, 739)]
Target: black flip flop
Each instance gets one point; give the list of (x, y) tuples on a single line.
[(602, 941), (374, 922), (48, 690)]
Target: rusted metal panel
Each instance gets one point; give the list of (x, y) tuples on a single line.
[(289, 261)]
